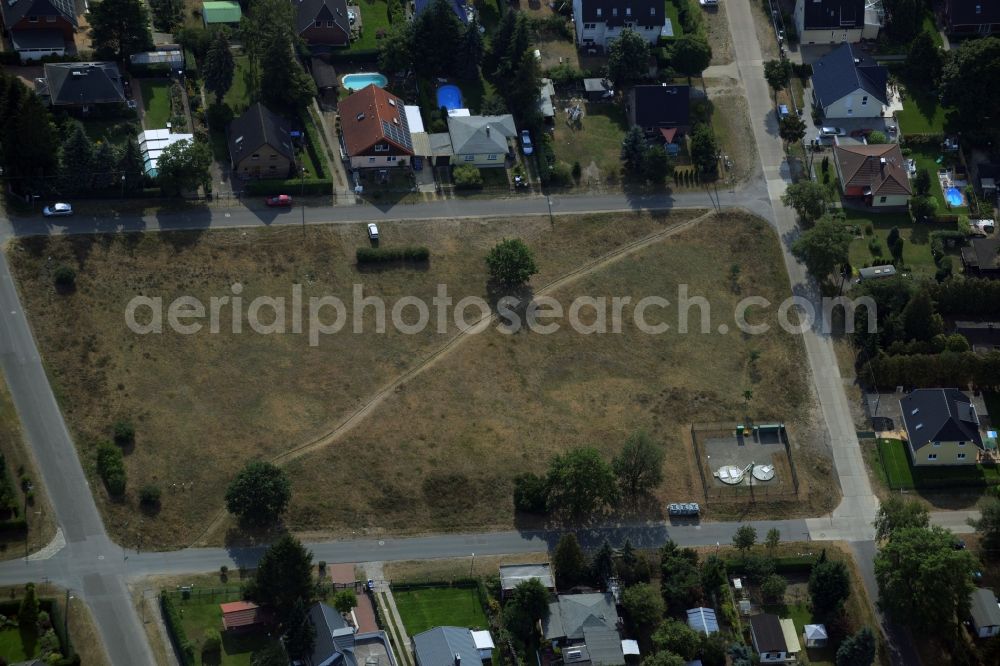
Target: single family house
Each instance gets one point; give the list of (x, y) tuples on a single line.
[(875, 174), (39, 28), (340, 644), (663, 112), (942, 427), (981, 257), (323, 22), (984, 612), (481, 140), (450, 646), (585, 627), (260, 144), (78, 86), (599, 22), (835, 21), (769, 639), (512, 575), (972, 17), (983, 336), (849, 84), (374, 130)]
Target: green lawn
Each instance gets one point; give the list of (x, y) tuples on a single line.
[(118, 132), (926, 157), (238, 97), (896, 459), (156, 102), (598, 138), (423, 609), (374, 16), (672, 14), (199, 615), (17, 645), (916, 240), (921, 117), (992, 400)]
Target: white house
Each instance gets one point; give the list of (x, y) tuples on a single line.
[(985, 613), (849, 84), (836, 21), (599, 22)]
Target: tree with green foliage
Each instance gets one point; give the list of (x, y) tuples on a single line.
[(791, 129), (211, 645), (521, 90), (259, 494), (628, 58), (167, 14), (266, 22), (632, 567), (988, 526), (778, 74), (823, 248), (119, 28), (895, 243), (924, 582), (656, 165), (773, 589), (580, 483), (27, 611), (467, 177), (808, 198), (896, 513), (300, 634), (924, 63), (395, 50), (569, 562), (704, 149), (922, 183), (633, 150), (690, 54), (105, 172), (602, 566), (967, 67), (184, 166), (920, 318), (511, 263), (345, 600), (680, 579), (493, 105), (857, 649), (219, 66), (639, 465), (284, 84), (923, 208), (272, 654), (713, 572), (677, 637), (904, 19), (829, 586), (772, 540), (528, 603), (31, 147), (663, 659), (437, 42), (877, 138), (470, 53), (284, 577), (643, 604), (130, 165), (744, 538), (76, 160), (531, 493)]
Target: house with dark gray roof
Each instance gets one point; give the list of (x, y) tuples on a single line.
[(446, 646), (984, 612), (80, 85), (972, 17), (660, 107), (836, 21), (339, 644), (981, 257), (39, 28), (260, 144), (769, 639), (323, 22), (942, 427), (585, 626), (481, 140), (849, 84), (599, 22)]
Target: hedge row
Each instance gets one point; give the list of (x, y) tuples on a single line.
[(967, 297), (932, 370), (18, 525), (111, 467), (172, 618), (787, 565), (290, 186), (313, 144), (381, 255)]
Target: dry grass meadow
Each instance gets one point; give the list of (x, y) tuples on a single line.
[(440, 452)]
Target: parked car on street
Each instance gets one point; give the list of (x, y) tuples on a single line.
[(57, 210), (278, 200), (684, 509), (526, 146)]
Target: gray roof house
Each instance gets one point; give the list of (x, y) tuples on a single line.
[(587, 626), (81, 84), (446, 646), (934, 416), (845, 79), (481, 140), (513, 575), (985, 612), (337, 644)]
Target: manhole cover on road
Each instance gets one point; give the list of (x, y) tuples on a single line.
[(381, 543), (100, 557)]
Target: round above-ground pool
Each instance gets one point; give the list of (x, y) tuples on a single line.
[(954, 197), (450, 97), (364, 79)]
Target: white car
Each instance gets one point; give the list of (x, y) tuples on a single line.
[(57, 210), (709, 3), (526, 146), (372, 231), (831, 131)]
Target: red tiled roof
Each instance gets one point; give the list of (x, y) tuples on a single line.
[(862, 166), (369, 116), (240, 614)]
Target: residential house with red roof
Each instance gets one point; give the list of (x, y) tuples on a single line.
[(374, 131), (239, 616), (875, 173)]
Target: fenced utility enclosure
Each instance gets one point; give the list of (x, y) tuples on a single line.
[(744, 462)]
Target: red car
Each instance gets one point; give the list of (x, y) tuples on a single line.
[(279, 200)]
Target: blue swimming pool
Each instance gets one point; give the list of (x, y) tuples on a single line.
[(953, 196), (449, 96), (364, 79)]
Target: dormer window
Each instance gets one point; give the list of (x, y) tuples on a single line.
[(628, 11), (381, 147), (599, 12), (614, 11), (652, 11), (32, 19)]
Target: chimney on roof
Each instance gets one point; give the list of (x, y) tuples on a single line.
[(487, 134), (458, 659), (881, 162)]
